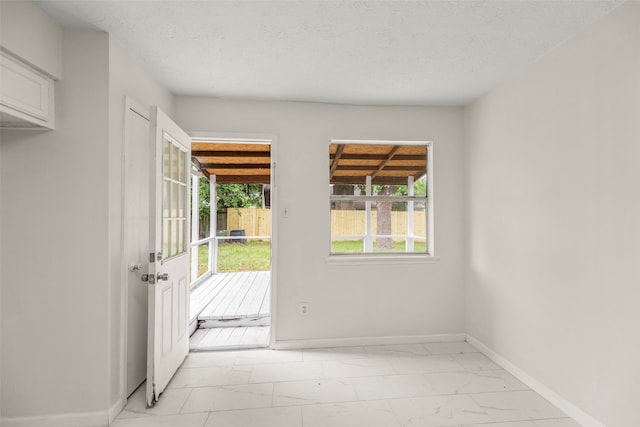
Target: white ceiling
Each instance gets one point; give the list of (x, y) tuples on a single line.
[(358, 52)]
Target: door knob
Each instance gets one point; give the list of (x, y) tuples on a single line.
[(135, 267), (164, 276)]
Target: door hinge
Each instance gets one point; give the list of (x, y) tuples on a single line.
[(148, 278), (152, 257)]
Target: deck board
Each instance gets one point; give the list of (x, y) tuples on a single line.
[(234, 307), (255, 297), (244, 295), (205, 293), (265, 309)]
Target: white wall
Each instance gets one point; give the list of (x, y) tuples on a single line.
[(126, 78), (350, 301), (554, 206), (27, 32), (54, 246), (61, 246)]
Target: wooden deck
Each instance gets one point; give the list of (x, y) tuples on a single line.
[(237, 302)]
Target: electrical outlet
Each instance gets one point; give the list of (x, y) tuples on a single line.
[(304, 309)]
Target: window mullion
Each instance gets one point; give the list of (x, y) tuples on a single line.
[(368, 240)]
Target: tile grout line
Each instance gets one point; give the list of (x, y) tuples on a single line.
[(273, 395), (207, 419), (185, 401)]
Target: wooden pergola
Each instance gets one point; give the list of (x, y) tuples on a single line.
[(349, 163), (391, 164), (233, 162)]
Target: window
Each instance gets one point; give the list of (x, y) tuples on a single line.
[(174, 201), (380, 197)]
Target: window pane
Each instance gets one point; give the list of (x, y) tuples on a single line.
[(389, 190), (181, 167), (165, 239), (174, 162), (420, 187), (394, 226), (343, 246), (173, 246), (181, 230), (181, 201), (173, 211), (166, 200), (420, 222), (166, 158)]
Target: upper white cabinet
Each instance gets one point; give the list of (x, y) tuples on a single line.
[(26, 96)]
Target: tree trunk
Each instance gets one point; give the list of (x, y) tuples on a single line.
[(384, 219)]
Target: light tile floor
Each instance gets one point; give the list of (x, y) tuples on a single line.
[(435, 384)]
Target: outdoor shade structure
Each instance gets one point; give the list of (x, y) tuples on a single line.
[(233, 162), (385, 164), (250, 162)]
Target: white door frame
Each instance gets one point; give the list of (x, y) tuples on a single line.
[(248, 137), (143, 111)]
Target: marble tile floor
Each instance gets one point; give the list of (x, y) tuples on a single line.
[(416, 385)]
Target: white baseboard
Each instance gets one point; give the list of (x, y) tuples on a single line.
[(86, 419), (355, 341), (116, 409), (567, 407)]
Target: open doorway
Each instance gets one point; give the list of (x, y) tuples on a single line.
[(231, 244)]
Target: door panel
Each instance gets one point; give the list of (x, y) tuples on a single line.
[(168, 339)]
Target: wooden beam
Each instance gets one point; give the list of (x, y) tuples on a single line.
[(388, 168), (392, 153), (199, 167), (346, 156), (243, 179), (217, 153), (336, 159), (236, 165), (379, 180)]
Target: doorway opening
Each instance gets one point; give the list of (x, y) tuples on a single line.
[(230, 291)]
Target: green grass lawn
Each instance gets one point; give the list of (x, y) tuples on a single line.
[(250, 256), (356, 246)]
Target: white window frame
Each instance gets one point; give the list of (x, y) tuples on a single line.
[(389, 257)]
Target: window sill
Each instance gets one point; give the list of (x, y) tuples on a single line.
[(381, 259)]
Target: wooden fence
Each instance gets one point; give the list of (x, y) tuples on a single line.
[(257, 222), (254, 221)]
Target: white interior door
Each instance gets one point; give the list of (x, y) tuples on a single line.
[(168, 336)]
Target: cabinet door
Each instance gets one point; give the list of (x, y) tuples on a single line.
[(27, 96)]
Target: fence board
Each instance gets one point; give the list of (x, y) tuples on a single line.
[(257, 222), (254, 221), (347, 222)]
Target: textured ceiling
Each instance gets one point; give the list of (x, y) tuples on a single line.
[(359, 52)]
